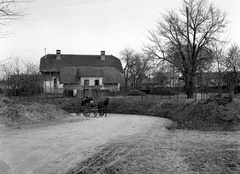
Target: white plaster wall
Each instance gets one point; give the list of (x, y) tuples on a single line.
[(92, 80), (49, 86)]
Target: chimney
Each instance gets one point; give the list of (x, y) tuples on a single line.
[(102, 55), (58, 54)]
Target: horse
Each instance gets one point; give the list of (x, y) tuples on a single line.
[(102, 107)]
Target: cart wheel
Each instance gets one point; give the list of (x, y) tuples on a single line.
[(95, 113), (78, 113), (86, 114), (101, 113)]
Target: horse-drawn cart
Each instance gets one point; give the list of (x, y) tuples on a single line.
[(87, 108)]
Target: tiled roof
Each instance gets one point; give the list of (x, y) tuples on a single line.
[(50, 63)]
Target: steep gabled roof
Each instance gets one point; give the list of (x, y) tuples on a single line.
[(50, 63), (90, 72), (69, 75), (73, 74), (111, 75)]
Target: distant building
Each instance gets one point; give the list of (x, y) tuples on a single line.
[(82, 72)]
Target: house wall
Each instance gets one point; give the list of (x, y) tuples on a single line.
[(51, 83), (92, 80), (71, 86)]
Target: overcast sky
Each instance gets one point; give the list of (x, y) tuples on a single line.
[(89, 26)]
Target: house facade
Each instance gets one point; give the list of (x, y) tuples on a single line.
[(82, 72)]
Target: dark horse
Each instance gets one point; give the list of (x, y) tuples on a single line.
[(102, 107)]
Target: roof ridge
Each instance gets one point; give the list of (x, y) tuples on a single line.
[(81, 55), (49, 61)]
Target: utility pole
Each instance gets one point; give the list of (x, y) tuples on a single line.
[(188, 53), (45, 49)]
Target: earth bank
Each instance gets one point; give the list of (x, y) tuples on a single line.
[(15, 114), (216, 113)]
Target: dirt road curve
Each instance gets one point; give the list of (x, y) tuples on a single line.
[(59, 147)]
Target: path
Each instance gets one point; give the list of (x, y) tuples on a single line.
[(57, 148)]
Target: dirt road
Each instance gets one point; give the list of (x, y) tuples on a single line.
[(57, 148), (117, 144)]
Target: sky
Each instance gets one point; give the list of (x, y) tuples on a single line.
[(91, 26)]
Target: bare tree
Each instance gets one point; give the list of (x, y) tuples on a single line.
[(219, 64), (233, 67), (136, 66), (187, 32), (127, 59), (22, 76), (139, 68), (13, 67), (30, 68), (9, 11)]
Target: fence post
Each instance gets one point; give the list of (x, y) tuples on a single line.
[(177, 90)]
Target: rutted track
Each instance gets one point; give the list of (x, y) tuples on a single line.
[(105, 161), (159, 151)]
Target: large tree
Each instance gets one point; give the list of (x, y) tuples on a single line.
[(187, 33), (9, 11)]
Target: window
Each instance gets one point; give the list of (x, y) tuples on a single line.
[(96, 82), (86, 82), (54, 82)]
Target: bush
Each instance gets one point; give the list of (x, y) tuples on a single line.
[(130, 106), (68, 93), (133, 92), (163, 91)]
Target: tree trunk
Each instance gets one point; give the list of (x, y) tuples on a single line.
[(231, 92), (190, 89), (126, 83), (219, 84)]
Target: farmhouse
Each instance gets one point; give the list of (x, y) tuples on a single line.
[(84, 73)]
